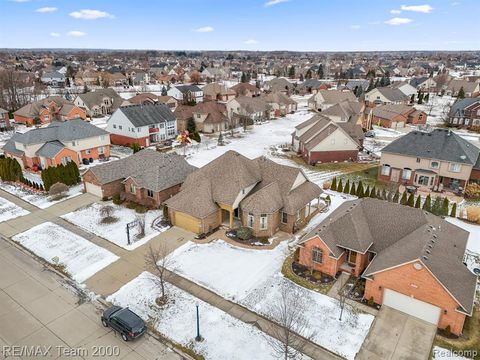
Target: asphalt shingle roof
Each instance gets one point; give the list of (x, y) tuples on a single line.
[(50, 149), (144, 115)]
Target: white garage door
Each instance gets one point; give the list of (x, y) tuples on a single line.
[(94, 189), (411, 306)]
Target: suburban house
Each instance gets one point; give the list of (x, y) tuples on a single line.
[(465, 113), (236, 191), (152, 99), (183, 113), (312, 86), (218, 92), (142, 124), (357, 84), (186, 93), (53, 78), (246, 89), (147, 177), (386, 95), (405, 88), (320, 139), (470, 88), (210, 117), (436, 160), (426, 84), (279, 103), (47, 110), (411, 260), (59, 143), (4, 119), (279, 85), (351, 111), (100, 102), (396, 116), (254, 108), (214, 74), (323, 99)]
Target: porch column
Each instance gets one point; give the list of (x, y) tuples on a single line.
[(231, 218)]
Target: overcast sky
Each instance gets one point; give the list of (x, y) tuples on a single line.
[(302, 25)]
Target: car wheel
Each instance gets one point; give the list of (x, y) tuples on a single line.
[(104, 322), (124, 337)]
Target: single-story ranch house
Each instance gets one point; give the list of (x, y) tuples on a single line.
[(236, 191), (411, 260), (147, 177)]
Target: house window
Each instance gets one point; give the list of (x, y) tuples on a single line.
[(418, 160), (138, 129), (385, 170), (284, 218), (66, 160), (434, 164), (74, 143), (133, 188), (199, 116), (317, 255), (114, 126), (250, 220), (454, 167), (101, 150), (120, 127), (88, 151), (46, 118), (150, 193), (263, 222), (406, 174)]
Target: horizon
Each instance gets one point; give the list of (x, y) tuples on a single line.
[(256, 25)]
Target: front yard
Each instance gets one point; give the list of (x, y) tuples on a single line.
[(9, 210), (90, 218), (253, 278), (68, 252)]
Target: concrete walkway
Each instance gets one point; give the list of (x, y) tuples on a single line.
[(132, 263)]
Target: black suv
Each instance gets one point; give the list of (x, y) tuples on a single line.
[(124, 321)]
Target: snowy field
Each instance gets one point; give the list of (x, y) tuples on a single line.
[(81, 258), (437, 108), (224, 336), (9, 210), (253, 279), (88, 218), (254, 143), (39, 199)]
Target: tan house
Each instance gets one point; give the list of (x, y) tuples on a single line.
[(324, 99), (386, 95), (396, 116), (279, 103), (218, 92), (152, 99), (101, 102), (436, 160), (147, 177), (235, 191), (246, 89), (410, 260), (210, 117)]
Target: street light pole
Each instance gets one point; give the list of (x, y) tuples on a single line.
[(198, 337)]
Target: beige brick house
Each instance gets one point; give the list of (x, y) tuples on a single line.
[(235, 191), (411, 260)]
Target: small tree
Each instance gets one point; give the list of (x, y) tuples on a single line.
[(58, 190), (418, 202), (140, 218), (157, 262), (135, 147), (437, 206), (412, 99), (220, 140), (396, 197), (445, 206), (373, 192), (384, 194), (411, 200), (340, 186), (461, 93), (360, 192), (403, 200), (106, 212), (453, 213), (353, 191), (346, 189), (367, 191), (333, 186), (427, 204)]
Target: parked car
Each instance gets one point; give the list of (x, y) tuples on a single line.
[(124, 321), (370, 134)]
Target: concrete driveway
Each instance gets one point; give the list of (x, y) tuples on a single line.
[(396, 335)]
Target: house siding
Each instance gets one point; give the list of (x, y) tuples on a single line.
[(329, 265)]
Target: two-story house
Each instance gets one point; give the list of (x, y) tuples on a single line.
[(142, 124), (100, 102), (465, 113), (59, 143), (436, 160), (324, 99), (386, 95), (186, 93)]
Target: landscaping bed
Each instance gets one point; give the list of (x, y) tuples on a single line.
[(238, 236)]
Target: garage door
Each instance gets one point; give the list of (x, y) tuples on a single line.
[(94, 189), (186, 222), (411, 306)]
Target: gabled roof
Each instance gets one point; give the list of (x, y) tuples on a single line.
[(188, 88), (440, 144), (95, 98), (459, 106), (33, 109), (144, 115), (50, 149), (149, 169), (391, 94), (336, 96), (398, 235)]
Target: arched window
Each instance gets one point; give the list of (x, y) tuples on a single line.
[(317, 255), (385, 170)]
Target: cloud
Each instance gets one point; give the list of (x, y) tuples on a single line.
[(89, 14), (455, 3), (355, 27), (76, 33), (20, 1), (251, 42), (395, 11), (55, 34), (426, 9), (205, 29), (47, 9), (274, 2), (398, 21)]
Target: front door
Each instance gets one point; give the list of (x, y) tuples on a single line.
[(352, 257), (395, 175)]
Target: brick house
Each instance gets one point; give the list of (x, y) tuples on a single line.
[(58, 143), (142, 124), (47, 110), (396, 116), (4, 119), (435, 160), (324, 99), (147, 177), (101, 102), (218, 92), (246, 89), (411, 260), (235, 191), (320, 139), (465, 113), (152, 99)]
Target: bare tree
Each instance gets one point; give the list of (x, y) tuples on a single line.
[(157, 261), (106, 212), (291, 334)]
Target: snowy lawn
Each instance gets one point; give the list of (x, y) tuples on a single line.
[(224, 336), (9, 210), (80, 257), (89, 218), (39, 199), (252, 278), (254, 143)]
